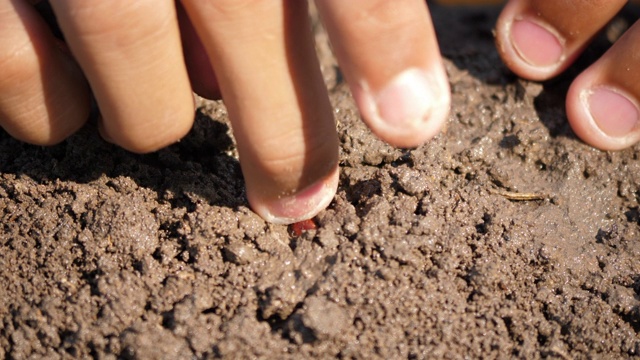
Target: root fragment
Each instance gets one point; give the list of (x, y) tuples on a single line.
[(518, 196)]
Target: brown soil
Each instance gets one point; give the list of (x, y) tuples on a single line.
[(504, 237)]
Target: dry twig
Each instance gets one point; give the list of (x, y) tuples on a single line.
[(517, 196)]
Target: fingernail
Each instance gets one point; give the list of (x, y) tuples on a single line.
[(410, 109), (303, 205), (406, 100), (536, 44), (612, 111)]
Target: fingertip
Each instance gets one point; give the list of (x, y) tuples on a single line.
[(603, 115), (395, 71), (530, 47), (301, 205), (145, 136), (410, 110), (538, 39), (45, 97)]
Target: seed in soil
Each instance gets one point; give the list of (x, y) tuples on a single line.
[(298, 228)]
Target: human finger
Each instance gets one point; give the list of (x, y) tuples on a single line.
[(263, 56), (389, 54), (201, 75), (43, 95), (131, 54), (538, 39), (603, 102)]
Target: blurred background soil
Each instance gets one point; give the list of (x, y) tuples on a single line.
[(504, 237)]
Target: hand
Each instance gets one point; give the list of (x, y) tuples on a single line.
[(259, 55), (141, 60), (539, 39)]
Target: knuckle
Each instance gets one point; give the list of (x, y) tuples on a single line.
[(390, 15), (290, 161), (128, 22), (235, 10), (234, 7)]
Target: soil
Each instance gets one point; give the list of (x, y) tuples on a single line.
[(505, 236)]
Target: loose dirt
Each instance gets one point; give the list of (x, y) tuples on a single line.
[(504, 237)]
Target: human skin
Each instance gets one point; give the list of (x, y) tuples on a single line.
[(142, 61)]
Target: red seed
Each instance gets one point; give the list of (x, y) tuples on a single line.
[(298, 228)]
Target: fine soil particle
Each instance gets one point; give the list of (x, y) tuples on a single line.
[(505, 236)]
